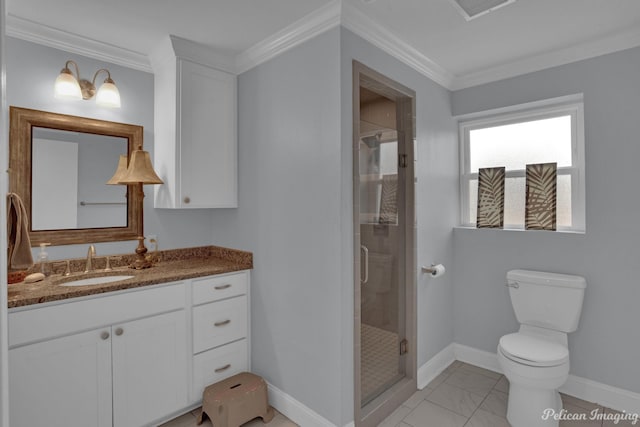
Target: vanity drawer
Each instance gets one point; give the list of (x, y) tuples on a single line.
[(219, 287), (217, 364), (218, 323)]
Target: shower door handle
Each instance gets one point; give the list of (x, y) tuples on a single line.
[(364, 249)]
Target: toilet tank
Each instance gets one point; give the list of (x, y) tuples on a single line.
[(547, 300)]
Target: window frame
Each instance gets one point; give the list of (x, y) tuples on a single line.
[(572, 106)]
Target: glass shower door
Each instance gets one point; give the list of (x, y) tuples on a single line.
[(382, 252)]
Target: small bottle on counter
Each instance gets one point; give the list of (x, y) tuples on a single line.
[(43, 260)]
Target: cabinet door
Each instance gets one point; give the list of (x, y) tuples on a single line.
[(149, 369), (207, 147), (64, 382)]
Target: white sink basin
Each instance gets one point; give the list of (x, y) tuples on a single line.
[(96, 280)]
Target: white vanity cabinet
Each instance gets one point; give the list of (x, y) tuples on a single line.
[(221, 320), (149, 368), (195, 141), (62, 382), (130, 358), (74, 364)]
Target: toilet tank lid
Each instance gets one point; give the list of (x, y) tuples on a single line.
[(549, 279)]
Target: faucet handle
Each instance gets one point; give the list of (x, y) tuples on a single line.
[(108, 264)]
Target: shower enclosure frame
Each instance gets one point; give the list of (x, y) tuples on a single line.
[(379, 408)]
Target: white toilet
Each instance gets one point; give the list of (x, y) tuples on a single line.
[(535, 359)]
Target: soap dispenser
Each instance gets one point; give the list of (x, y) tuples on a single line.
[(43, 260)]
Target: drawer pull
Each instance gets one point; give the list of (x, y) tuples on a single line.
[(221, 287), (224, 368), (224, 322)]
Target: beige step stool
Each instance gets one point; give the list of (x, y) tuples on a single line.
[(236, 400)]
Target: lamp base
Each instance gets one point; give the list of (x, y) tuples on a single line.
[(141, 261)]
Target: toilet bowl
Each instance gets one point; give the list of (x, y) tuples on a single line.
[(535, 372), (535, 359)]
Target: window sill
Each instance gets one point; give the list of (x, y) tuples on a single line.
[(522, 230)]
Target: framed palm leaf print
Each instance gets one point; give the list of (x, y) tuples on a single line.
[(540, 205), (490, 198)]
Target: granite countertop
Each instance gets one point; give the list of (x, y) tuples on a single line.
[(169, 266)]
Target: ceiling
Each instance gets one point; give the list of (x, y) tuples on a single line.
[(521, 37)]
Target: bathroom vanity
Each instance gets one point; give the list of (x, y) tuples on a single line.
[(128, 353)]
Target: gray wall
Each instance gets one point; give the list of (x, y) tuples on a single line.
[(31, 71), (289, 217), (296, 210), (606, 345)]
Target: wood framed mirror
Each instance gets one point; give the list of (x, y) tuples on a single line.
[(59, 165)]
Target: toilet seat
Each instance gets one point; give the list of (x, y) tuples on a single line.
[(533, 351)]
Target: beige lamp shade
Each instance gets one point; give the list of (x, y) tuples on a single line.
[(140, 170), (120, 171)]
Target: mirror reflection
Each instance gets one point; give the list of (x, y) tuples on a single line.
[(69, 172)]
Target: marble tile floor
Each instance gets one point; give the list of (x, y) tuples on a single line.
[(468, 396), (462, 396)]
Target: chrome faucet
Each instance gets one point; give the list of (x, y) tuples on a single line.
[(90, 254)]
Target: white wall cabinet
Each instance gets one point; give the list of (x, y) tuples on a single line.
[(127, 359), (195, 141)]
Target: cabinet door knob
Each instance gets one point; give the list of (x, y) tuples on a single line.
[(224, 322), (104, 335), (187, 200), (224, 368), (119, 331)]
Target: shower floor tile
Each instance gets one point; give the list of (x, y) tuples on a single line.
[(379, 360)]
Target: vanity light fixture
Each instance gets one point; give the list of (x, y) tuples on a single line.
[(70, 86), (139, 172)]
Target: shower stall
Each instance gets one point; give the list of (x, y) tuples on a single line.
[(384, 224)]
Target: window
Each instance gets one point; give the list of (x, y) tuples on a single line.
[(541, 132)]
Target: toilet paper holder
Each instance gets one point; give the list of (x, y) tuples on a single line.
[(435, 270)]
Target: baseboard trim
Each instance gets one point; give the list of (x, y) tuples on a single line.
[(603, 394), (295, 410), (582, 388), (480, 358), (435, 366)]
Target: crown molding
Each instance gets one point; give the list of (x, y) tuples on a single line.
[(336, 12), (202, 54), (375, 33), (306, 28), (58, 39), (625, 39)]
